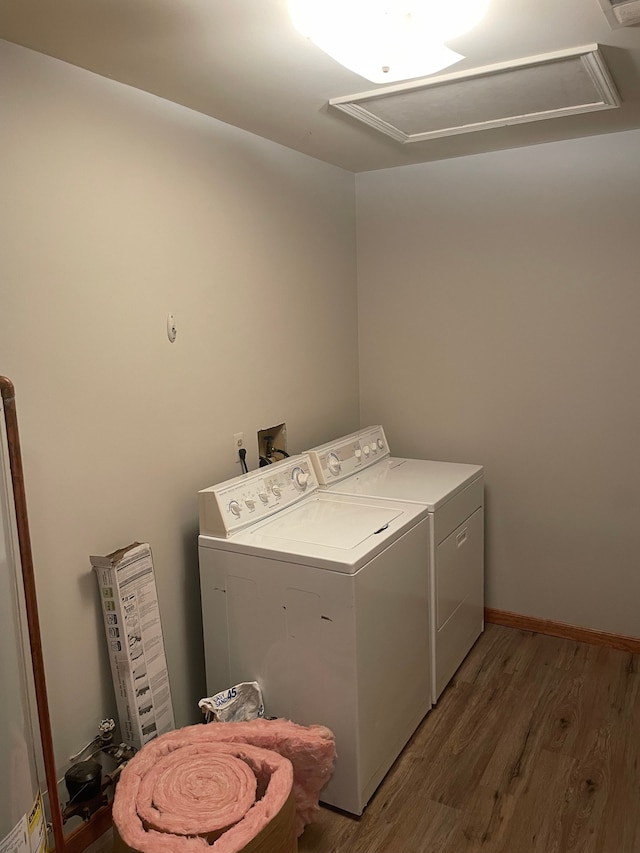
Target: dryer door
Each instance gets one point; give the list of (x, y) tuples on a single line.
[(459, 596)]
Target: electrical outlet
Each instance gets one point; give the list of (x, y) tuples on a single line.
[(238, 442)]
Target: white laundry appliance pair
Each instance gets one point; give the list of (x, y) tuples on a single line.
[(323, 598), (453, 494)]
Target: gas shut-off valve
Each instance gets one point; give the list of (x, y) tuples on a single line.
[(86, 786)]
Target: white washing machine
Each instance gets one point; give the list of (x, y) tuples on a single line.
[(323, 599), (453, 494)]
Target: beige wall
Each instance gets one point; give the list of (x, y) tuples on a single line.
[(499, 303), (498, 311), (118, 208)]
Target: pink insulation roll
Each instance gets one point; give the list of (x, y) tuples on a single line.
[(219, 787)]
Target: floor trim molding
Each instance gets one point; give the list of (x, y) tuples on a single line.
[(559, 629)]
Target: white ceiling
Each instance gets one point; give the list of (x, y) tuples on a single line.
[(242, 62)]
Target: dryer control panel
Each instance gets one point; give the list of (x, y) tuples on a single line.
[(238, 503), (345, 456)]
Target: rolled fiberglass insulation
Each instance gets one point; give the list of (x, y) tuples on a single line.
[(224, 787)]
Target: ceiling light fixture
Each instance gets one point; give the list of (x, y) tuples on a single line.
[(387, 40)]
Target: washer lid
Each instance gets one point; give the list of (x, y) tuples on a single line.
[(416, 480), (341, 533), (330, 523)]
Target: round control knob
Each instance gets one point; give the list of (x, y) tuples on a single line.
[(264, 497), (374, 448), (250, 503), (276, 490), (357, 453), (380, 443), (366, 450), (234, 507), (300, 478), (333, 463)]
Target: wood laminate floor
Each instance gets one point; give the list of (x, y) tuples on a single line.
[(533, 748)]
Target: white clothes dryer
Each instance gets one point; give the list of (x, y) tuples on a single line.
[(321, 598), (453, 494)]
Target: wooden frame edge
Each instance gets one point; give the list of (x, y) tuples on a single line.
[(7, 391), (559, 629), (90, 831)]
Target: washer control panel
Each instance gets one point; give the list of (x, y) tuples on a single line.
[(345, 456), (235, 504)]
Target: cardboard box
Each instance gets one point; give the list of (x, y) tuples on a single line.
[(134, 638)]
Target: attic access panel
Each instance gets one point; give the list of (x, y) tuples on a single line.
[(535, 88), (621, 13)]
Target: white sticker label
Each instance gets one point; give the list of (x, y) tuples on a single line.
[(17, 841)]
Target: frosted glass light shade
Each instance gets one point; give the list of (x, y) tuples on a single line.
[(387, 40)]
